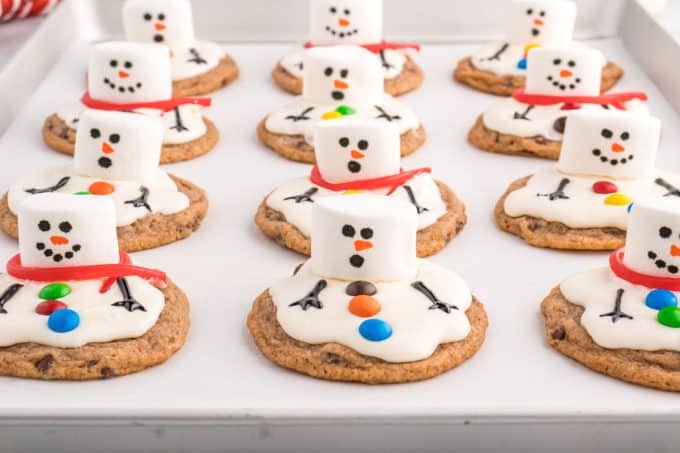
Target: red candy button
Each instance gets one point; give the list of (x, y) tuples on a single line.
[(605, 187), (364, 306), (48, 307), (101, 188)]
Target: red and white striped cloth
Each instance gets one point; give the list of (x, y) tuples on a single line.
[(16, 9)]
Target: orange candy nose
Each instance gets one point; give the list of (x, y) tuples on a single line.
[(343, 22), (357, 155), (565, 73), (159, 27), (538, 22), (364, 306), (58, 240), (617, 148), (340, 85), (123, 74), (106, 148), (675, 250), (362, 245), (101, 188)]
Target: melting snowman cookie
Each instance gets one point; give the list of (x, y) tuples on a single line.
[(340, 81), (607, 163), (623, 320), (357, 22), (500, 67), (532, 122), (116, 156), (390, 316), (198, 67), (360, 155), (70, 297), (136, 77)]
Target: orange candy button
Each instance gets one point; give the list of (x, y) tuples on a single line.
[(101, 188), (364, 306)]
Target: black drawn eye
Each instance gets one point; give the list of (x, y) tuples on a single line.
[(366, 233), (328, 71), (148, 16), (44, 225), (114, 138), (65, 227), (625, 136), (557, 61), (606, 133), (542, 14), (344, 73), (161, 16), (363, 145), (333, 10), (113, 63), (665, 232), (128, 65), (348, 231), (530, 12), (571, 63), (347, 12), (95, 133), (344, 142)]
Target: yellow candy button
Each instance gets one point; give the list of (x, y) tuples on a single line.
[(351, 192), (618, 199), (331, 115), (529, 47)]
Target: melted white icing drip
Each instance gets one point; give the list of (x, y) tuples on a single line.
[(186, 64), (505, 63)]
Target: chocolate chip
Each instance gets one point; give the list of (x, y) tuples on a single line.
[(45, 363), (106, 372), (559, 124), (559, 334), (333, 359), (361, 288)]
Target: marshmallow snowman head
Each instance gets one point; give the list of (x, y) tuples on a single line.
[(364, 237), (541, 22), (118, 146), (342, 74), (564, 71), (166, 22), (129, 72), (61, 230), (653, 237), (345, 21), (616, 144), (350, 149)]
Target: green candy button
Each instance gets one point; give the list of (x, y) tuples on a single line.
[(55, 291), (82, 192), (669, 317), (345, 110)]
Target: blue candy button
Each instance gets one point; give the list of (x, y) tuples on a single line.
[(660, 299), (522, 64), (375, 330), (630, 206), (62, 321)]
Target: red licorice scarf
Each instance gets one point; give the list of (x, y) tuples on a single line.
[(165, 105), (616, 99), (109, 272), (379, 47), (624, 272), (392, 182)]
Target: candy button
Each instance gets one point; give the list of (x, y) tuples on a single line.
[(375, 330), (345, 110), (522, 64), (605, 187), (82, 192), (618, 199), (361, 287), (660, 299), (62, 321), (47, 307), (101, 188), (559, 124), (351, 192), (331, 115), (669, 317), (630, 206), (55, 291), (364, 306)]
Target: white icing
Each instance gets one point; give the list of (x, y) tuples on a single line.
[(596, 291), (99, 320), (584, 208), (504, 63), (277, 121), (186, 65), (417, 330), (424, 189), (501, 118), (164, 197), (393, 62), (191, 115)]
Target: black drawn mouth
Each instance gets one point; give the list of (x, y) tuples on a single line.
[(341, 34), (535, 32), (610, 161), (57, 257), (356, 261), (122, 88), (354, 166), (661, 264)]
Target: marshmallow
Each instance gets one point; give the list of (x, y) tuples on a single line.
[(353, 149), (342, 74), (616, 144), (166, 22), (541, 22), (364, 237), (129, 72), (345, 21), (653, 237), (118, 145), (564, 71), (61, 230)]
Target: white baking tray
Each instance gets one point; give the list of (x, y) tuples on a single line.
[(219, 393)]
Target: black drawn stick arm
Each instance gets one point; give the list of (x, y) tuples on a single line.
[(436, 303), (302, 116), (617, 313), (303, 197), (7, 295), (558, 194), (61, 183), (672, 190), (312, 298), (497, 56), (142, 200), (412, 199), (128, 302)]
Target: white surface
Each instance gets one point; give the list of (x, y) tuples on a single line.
[(221, 376)]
